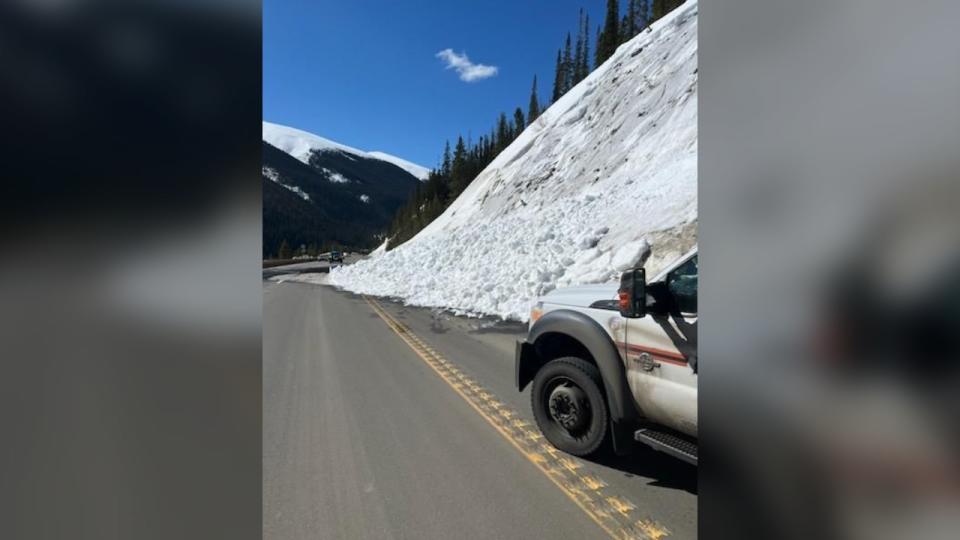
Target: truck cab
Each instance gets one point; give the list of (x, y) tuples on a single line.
[(617, 363)]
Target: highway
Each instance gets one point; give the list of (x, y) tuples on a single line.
[(385, 421)]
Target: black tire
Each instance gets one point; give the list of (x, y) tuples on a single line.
[(569, 405)]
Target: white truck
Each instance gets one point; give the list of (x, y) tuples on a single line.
[(616, 363)]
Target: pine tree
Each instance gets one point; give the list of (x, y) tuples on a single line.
[(458, 172), (417, 199), (533, 110), (519, 124), (503, 133), (567, 66), (635, 19), (662, 7), (597, 60), (643, 14), (445, 167), (611, 33), (582, 61), (284, 251), (625, 24), (558, 79), (585, 59), (578, 53)]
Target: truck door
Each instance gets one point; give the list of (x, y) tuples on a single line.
[(661, 351)]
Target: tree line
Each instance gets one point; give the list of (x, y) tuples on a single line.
[(313, 249), (460, 165)]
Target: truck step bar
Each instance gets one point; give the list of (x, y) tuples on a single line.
[(669, 443)]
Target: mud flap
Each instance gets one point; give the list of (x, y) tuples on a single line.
[(621, 435), (526, 362)]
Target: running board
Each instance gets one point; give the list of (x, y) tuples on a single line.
[(669, 443)]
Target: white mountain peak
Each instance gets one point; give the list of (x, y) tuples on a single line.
[(302, 144)]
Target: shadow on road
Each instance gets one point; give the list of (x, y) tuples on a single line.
[(441, 321), (506, 328), (662, 470)]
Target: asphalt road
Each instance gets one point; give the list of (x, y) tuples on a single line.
[(363, 439)]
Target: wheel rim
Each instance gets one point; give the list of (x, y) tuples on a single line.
[(568, 406)]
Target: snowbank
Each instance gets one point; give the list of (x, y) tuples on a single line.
[(608, 169)]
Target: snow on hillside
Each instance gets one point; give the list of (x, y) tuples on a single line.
[(608, 168), (302, 144), (420, 172), (335, 177), (273, 176)]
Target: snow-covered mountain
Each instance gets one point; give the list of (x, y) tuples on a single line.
[(303, 144), (317, 191), (418, 171), (606, 170)]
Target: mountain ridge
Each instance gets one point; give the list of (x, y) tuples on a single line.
[(320, 193), (303, 144)]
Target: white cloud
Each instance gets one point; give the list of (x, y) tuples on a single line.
[(468, 71)]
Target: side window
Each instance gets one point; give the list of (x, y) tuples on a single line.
[(682, 284)]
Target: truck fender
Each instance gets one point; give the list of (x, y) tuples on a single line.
[(592, 336)]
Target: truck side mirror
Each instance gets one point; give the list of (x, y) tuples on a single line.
[(633, 293)]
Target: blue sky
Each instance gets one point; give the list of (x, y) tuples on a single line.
[(365, 72)]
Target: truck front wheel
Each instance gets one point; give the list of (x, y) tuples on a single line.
[(568, 405)]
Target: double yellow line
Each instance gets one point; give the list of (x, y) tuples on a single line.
[(614, 514)]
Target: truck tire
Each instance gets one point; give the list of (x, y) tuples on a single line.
[(569, 406)]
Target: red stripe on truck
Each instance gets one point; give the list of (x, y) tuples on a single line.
[(669, 357)]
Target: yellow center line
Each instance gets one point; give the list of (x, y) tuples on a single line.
[(544, 460)]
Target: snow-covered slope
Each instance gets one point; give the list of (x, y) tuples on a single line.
[(337, 197), (416, 170), (302, 144), (607, 169)]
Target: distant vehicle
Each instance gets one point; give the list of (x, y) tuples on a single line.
[(336, 256), (618, 361)]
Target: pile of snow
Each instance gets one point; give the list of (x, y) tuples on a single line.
[(302, 144), (606, 173), (274, 176), (365, 198)]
